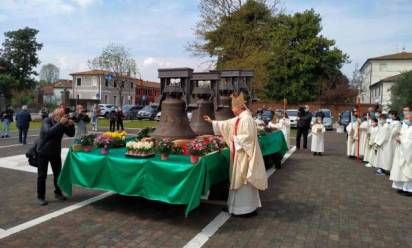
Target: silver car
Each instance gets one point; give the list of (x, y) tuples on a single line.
[(293, 115), (327, 119)]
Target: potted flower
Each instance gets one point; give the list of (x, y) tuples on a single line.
[(139, 149), (104, 142), (87, 142), (215, 144), (197, 148), (164, 147)]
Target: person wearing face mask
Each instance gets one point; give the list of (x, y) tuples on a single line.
[(383, 144), (373, 130), (401, 173), (367, 125)]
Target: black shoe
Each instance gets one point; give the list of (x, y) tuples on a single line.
[(60, 197), (399, 191), (380, 172), (42, 202), (314, 154), (225, 209), (406, 193), (319, 153)]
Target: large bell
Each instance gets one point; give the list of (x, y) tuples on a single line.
[(173, 121), (198, 124), (224, 111)]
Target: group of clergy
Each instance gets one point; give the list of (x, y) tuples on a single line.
[(384, 142)]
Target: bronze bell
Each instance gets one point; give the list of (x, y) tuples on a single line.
[(224, 108), (224, 111), (174, 123), (204, 107)]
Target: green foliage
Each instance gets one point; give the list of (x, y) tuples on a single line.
[(20, 98), (402, 92), (289, 55), (7, 83), (20, 54)]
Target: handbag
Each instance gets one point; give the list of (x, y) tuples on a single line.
[(32, 155)]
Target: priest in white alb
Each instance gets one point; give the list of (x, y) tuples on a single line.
[(401, 173), (247, 168)]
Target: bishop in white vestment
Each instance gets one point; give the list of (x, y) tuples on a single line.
[(352, 144), (247, 168), (363, 138)]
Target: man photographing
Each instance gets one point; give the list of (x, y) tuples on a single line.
[(49, 150)]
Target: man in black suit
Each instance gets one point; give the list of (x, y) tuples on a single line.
[(23, 119), (303, 126)]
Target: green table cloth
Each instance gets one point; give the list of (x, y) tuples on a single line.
[(174, 181)]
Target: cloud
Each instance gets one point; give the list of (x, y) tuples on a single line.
[(85, 3), (16, 9)]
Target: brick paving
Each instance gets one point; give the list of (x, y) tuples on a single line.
[(328, 201), (18, 195)]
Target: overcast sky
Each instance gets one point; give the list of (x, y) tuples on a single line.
[(157, 31)]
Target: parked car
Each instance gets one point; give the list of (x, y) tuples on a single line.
[(157, 118), (267, 116), (344, 119), (293, 115), (105, 109), (130, 111), (327, 119), (148, 112)]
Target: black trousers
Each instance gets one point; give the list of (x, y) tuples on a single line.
[(120, 125), (23, 135), (112, 125), (302, 132), (43, 163)]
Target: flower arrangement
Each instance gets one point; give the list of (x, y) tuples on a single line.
[(87, 139), (197, 147), (103, 140), (140, 148), (165, 146), (116, 139), (215, 143), (145, 132)]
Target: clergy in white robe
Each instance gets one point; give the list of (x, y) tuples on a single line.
[(389, 150), (382, 143), (318, 137), (401, 173), (373, 130), (247, 169), (282, 124), (363, 138), (368, 137), (352, 143)]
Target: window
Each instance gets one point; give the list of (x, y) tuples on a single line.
[(79, 81), (106, 82), (131, 85), (114, 84), (105, 98), (114, 100), (122, 85), (94, 81)]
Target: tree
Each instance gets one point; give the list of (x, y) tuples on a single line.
[(19, 51), (236, 32), (402, 92), (7, 84), (49, 73), (337, 89), (301, 58), (117, 60), (289, 55)]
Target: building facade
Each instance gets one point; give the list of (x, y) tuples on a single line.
[(54, 92), (146, 92), (96, 86), (378, 76)]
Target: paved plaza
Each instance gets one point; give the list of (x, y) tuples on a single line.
[(328, 201)]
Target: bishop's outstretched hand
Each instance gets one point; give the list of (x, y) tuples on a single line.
[(207, 118)]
